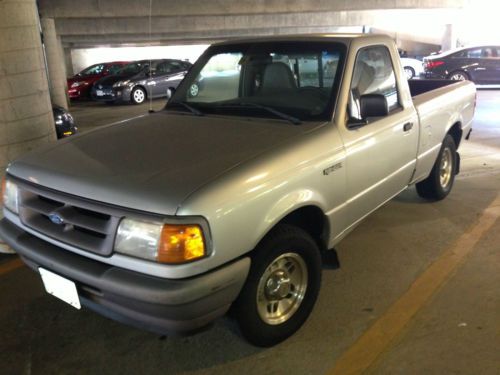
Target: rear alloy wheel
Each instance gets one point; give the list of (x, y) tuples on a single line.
[(281, 288), (138, 95), (439, 183), (409, 72), (459, 76)]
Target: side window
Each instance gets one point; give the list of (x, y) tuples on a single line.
[(489, 53), (175, 66), (114, 68), (373, 74), (164, 68), (474, 53)]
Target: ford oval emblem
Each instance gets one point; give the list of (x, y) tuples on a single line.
[(56, 219)]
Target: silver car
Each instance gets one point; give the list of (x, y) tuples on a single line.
[(140, 80)]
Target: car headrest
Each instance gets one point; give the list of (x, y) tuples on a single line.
[(277, 75)]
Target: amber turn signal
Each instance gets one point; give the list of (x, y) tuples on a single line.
[(181, 244)]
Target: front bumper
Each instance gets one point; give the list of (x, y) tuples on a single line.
[(159, 305), (78, 93), (433, 75), (114, 94)]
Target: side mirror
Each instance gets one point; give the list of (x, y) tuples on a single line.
[(370, 105), (170, 92), (373, 105)]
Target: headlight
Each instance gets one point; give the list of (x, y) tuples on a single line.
[(10, 195), (76, 84), (121, 83), (164, 243)]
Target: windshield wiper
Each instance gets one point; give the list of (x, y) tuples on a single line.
[(293, 120), (193, 110)]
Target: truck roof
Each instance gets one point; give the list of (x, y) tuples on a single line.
[(340, 37)]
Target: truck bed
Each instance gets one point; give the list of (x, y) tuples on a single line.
[(440, 105), (418, 87)]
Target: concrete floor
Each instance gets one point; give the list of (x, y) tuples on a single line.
[(441, 259)]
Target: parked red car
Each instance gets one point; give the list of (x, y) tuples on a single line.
[(80, 84)]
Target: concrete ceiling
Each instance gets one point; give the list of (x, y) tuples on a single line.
[(87, 23)]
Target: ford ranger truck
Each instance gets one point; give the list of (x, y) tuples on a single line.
[(269, 152)]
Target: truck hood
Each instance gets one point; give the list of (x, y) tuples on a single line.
[(154, 162)]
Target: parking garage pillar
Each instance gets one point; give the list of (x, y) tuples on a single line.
[(25, 113), (449, 38), (55, 63), (69, 62)]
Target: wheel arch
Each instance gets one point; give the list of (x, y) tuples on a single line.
[(310, 218), (456, 132)]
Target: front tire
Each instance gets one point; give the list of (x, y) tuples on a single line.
[(281, 288), (138, 95), (440, 182)]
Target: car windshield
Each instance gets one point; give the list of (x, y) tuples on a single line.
[(133, 68), (297, 80)]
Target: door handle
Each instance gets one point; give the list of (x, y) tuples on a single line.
[(407, 127)]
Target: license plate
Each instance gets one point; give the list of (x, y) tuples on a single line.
[(60, 287), (99, 93)]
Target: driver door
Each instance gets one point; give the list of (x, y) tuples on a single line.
[(381, 155)]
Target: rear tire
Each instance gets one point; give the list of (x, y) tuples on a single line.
[(440, 182), (459, 76), (409, 72), (282, 287)]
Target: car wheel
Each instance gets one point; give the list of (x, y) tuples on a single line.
[(439, 183), (138, 95), (194, 90), (281, 288), (459, 76), (409, 72)]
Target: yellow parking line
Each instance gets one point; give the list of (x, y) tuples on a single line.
[(365, 351), (10, 266)]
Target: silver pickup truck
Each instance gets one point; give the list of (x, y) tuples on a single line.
[(270, 151)]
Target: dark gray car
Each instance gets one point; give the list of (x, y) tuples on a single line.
[(139, 80), (480, 65)]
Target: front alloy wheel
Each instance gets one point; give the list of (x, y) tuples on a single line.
[(138, 95), (281, 288)]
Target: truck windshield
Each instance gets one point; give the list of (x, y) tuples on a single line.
[(267, 79)]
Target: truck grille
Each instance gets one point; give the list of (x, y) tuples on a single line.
[(74, 221)]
